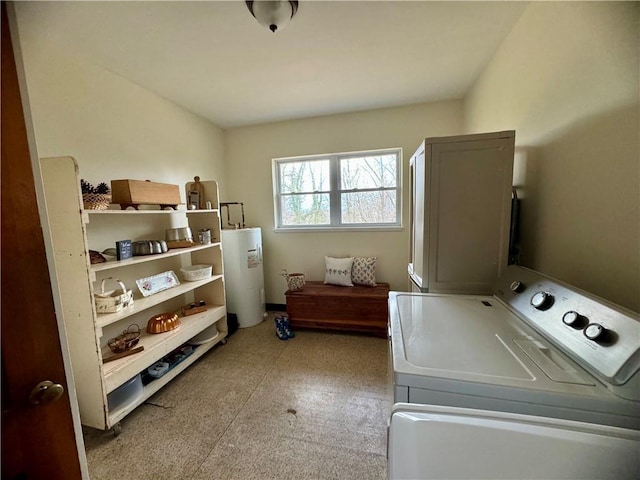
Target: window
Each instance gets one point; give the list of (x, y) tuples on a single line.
[(346, 190)]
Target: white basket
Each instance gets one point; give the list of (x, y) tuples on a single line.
[(196, 272), (113, 301)]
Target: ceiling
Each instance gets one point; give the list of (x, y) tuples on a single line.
[(213, 58)]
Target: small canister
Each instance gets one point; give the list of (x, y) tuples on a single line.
[(204, 236)]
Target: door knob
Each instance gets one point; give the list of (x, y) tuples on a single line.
[(45, 392)]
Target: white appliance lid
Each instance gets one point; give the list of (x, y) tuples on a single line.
[(440, 339), (474, 339), (435, 442)]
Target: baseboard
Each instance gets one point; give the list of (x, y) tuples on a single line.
[(276, 307)]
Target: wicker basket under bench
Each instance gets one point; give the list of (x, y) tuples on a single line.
[(358, 309)]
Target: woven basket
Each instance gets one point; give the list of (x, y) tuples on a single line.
[(96, 201), (113, 301), (129, 339), (295, 281)]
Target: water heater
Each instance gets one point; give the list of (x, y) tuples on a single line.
[(244, 275)]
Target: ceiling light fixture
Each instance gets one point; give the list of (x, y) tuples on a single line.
[(273, 14)]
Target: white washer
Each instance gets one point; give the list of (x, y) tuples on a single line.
[(481, 444), (536, 347)]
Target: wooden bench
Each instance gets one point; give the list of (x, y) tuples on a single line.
[(358, 308)]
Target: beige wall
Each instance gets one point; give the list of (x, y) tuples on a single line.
[(567, 80), (249, 151), (115, 129), (112, 127)]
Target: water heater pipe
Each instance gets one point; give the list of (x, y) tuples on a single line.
[(226, 204)]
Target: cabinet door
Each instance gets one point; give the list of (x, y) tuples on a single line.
[(417, 265), (469, 214)]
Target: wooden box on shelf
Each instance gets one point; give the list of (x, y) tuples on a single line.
[(141, 192), (193, 308)]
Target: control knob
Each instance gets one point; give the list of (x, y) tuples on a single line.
[(597, 333), (516, 286), (542, 300), (575, 320)]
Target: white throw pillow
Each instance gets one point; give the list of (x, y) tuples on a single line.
[(364, 271), (338, 271)]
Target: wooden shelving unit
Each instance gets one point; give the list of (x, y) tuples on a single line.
[(75, 231)]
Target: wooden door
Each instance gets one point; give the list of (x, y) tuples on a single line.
[(37, 441)]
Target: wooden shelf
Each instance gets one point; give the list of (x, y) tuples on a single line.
[(149, 212), (98, 267), (151, 388), (157, 346), (144, 303)]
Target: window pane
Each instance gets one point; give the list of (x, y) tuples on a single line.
[(368, 172), (307, 209), (305, 176), (363, 187), (369, 207)]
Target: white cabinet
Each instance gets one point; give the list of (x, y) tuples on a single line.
[(75, 231), (460, 212)]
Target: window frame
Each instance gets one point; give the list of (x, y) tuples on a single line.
[(335, 193)]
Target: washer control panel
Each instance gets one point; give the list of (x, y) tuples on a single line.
[(603, 337)]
